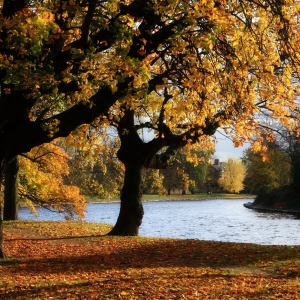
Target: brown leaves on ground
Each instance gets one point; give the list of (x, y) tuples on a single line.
[(98, 267)]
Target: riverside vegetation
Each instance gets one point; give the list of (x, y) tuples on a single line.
[(75, 260)]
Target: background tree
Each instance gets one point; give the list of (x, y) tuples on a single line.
[(187, 172), (94, 166), (176, 178), (153, 182), (214, 173), (198, 173), (288, 142), (266, 175), (233, 175), (282, 180)]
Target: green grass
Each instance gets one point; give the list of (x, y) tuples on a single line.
[(200, 196)]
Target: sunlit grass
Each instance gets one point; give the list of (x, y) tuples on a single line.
[(61, 228), (200, 196)]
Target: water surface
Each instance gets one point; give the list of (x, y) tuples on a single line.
[(218, 220)]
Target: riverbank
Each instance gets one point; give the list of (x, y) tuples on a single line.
[(175, 197), (64, 260), (250, 205)]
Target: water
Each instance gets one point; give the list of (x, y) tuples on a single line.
[(218, 220)]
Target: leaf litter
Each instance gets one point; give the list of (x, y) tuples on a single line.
[(75, 260)]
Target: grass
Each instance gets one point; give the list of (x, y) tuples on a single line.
[(199, 196)]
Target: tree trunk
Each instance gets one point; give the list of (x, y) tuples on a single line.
[(10, 211), (295, 171), (131, 210), (2, 253)]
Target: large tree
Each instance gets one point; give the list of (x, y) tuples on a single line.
[(65, 63), (223, 64)]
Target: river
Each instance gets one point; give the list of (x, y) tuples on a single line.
[(218, 220)]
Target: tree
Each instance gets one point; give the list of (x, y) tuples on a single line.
[(187, 172), (212, 78), (42, 174), (198, 175), (269, 174), (233, 175), (288, 143), (10, 210), (281, 177), (94, 166), (152, 182), (42, 181), (64, 64)]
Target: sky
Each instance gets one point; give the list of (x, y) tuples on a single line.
[(225, 149)]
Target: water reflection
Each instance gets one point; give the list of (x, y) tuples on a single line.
[(277, 216), (219, 220)]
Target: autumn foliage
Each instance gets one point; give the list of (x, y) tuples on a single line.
[(70, 265), (233, 175), (94, 166), (42, 181), (189, 67)]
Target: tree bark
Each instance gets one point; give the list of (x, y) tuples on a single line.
[(131, 210), (10, 211), (295, 171), (2, 253)]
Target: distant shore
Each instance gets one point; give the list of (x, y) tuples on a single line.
[(178, 197)]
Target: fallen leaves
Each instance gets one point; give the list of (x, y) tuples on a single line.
[(141, 268)]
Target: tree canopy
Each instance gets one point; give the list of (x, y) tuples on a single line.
[(64, 63)]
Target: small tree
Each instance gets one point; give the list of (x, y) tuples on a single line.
[(233, 175), (42, 175), (153, 181)]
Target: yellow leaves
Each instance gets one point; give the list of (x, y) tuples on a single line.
[(42, 178), (233, 175), (204, 63), (128, 19), (256, 146)]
